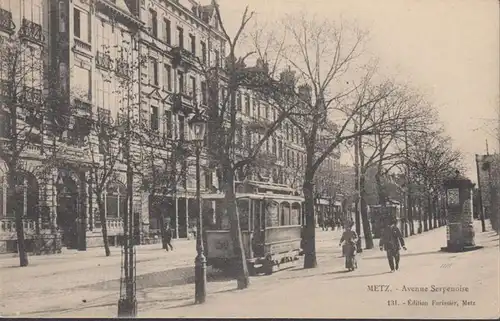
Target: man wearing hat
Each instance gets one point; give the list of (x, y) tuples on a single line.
[(390, 240)]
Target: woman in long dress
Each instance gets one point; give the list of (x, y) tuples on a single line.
[(350, 238)]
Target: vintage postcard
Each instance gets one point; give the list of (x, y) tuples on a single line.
[(249, 159)]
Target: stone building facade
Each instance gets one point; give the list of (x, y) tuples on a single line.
[(89, 48)]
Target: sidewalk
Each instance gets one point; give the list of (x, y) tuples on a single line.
[(327, 292), (165, 286)]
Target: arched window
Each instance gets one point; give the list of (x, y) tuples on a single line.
[(115, 198), (27, 197)]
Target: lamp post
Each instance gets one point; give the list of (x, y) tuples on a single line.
[(127, 304), (198, 125)]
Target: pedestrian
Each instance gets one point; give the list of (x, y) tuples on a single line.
[(349, 248), (168, 237), (392, 240)]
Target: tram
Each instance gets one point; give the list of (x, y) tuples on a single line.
[(271, 220)]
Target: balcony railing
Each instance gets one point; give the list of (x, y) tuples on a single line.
[(103, 115), (6, 22), (182, 102), (82, 46), (31, 95), (83, 106), (183, 57), (31, 31), (104, 61), (114, 223), (8, 225), (122, 68)]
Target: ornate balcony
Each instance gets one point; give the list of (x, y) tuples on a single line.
[(122, 68), (8, 225), (31, 31), (82, 46), (31, 95), (183, 57), (82, 107), (6, 22), (182, 102), (103, 61)]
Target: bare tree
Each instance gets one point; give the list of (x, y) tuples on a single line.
[(431, 160), (164, 164), (24, 111), (321, 56), (380, 151), (224, 81)]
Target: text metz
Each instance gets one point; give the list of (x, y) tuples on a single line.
[(379, 288)]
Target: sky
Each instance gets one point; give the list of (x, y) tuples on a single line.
[(447, 49)]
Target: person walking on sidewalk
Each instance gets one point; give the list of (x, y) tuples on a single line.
[(391, 240), (349, 248), (168, 237)]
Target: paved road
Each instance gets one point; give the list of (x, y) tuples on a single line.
[(68, 280), (322, 292)]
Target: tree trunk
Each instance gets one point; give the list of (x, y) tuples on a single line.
[(104, 226), (410, 214), (380, 190), (425, 215), (161, 221), (430, 211), (364, 214), (309, 229), (14, 208), (420, 225), (241, 269)]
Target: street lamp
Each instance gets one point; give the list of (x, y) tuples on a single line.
[(198, 125)]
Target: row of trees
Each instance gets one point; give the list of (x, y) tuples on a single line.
[(313, 73)]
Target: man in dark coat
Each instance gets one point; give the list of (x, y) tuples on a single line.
[(390, 240)]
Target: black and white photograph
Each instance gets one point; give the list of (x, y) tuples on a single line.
[(335, 159)]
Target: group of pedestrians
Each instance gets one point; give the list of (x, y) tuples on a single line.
[(391, 240), (331, 223)]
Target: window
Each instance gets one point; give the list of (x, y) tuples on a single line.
[(168, 31), (248, 138), (81, 25), (153, 71), (76, 23), (193, 87), (203, 52), (167, 78), (287, 132), (247, 104), (26, 200), (266, 111), (203, 93), (154, 118), (180, 81), (168, 123), (115, 200), (280, 150), (82, 82), (208, 179), (180, 33), (181, 127), (292, 134), (274, 146), (153, 22), (216, 57), (239, 101), (192, 38), (257, 106)]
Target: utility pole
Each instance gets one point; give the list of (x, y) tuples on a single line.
[(358, 188), (481, 209)]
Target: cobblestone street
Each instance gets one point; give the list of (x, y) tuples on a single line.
[(165, 284)]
